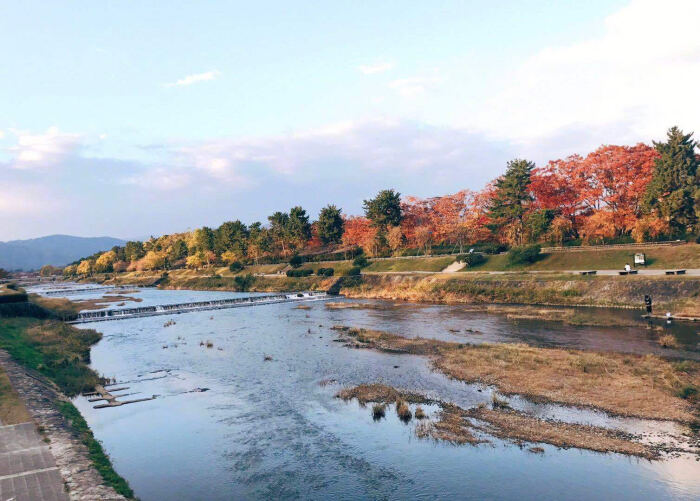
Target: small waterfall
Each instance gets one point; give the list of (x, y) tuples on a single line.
[(144, 311)]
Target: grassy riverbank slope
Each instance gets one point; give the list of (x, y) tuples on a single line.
[(678, 294)]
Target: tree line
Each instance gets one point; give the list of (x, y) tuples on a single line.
[(615, 193)]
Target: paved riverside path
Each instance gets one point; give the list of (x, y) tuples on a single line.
[(28, 470), (692, 272)]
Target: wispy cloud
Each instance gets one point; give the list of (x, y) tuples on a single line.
[(415, 86), (636, 75), (380, 67), (195, 78)]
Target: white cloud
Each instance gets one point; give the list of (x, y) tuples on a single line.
[(195, 78), (415, 86), (42, 150), (642, 73), (380, 67)]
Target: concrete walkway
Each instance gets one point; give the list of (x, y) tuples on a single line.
[(28, 470)]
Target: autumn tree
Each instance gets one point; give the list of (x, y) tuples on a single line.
[(85, 267), (330, 225), (395, 238), (105, 262), (384, 209), (512, 199), (674, 190)]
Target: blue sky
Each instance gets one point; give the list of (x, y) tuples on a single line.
[(137, 118)]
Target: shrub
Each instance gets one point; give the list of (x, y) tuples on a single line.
[(353, 272), (490, 248), (403, 411), (235, 267), (299, 273), (420, 413), (524, 255), (243, 282), (325, 272), (668, 341), (296, 261), (687, 392), (378, 411), (360, 261), (471, 260)]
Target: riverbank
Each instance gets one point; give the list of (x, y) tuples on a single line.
[(677, 294), (46, 362)]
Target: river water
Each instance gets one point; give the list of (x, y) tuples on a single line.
[(274, 430)]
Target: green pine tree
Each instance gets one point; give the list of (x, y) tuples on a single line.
[(512, 199), (674, 190)]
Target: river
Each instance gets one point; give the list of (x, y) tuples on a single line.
[(273, 429)]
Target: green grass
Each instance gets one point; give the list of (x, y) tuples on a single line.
[(435, 264), (681, 256), (99, 458), (57, 350)]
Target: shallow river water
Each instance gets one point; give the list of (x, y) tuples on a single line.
[(274, 430)]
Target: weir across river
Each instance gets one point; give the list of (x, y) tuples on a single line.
[(218, 304)]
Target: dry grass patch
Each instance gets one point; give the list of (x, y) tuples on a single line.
[(632, 385), (12, 409), (512, 425), (668, 341)]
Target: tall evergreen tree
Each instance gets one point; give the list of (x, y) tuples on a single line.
[(384, 209), (299, 226), (330, 225), (674, 190), (512, 199), (231, 236)]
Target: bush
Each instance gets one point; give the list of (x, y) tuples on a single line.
[(299, 273), (471, 260), (243, 282), (296, 261), (360, 262), (235, 267), (353, 272), (325, 272), (490, 248), (524, 255)]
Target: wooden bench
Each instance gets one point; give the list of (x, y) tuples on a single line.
[(588, 272), (675, 272), (631, 272)]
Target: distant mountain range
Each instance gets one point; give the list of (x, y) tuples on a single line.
[(57, 250)]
